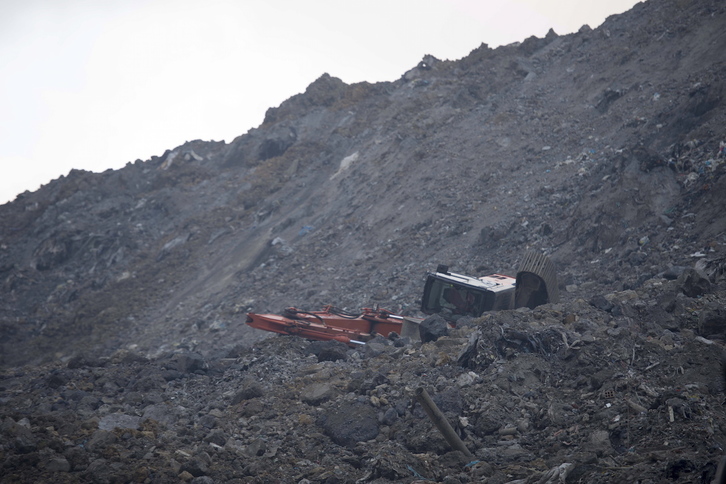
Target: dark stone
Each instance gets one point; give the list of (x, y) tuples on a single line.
[(276, 145), (356, 381), (171, 374), (248, 391), (189, 362), (202, 480), (256, 448), (316, 393), (58, 464), (148, 383), (486, 425), (208, 421), (24, 441), (601, 303), (492, 235), (389, 417), (402, 342), (673, 272), (432, 328), (77, 457), (546, 229), (375, 347), (21, 461), (74, 395), (401, 406), (195, 467), (712, 320), (363, 382), (162, 413), (668, 302), (252, 407), (56, 380), (350, 423), (449, 401), (454, 459), (675, 468), (328, 350), (100, 440), (80, 361), (216, 437), (53, 251), (693, 284), (98, 471)]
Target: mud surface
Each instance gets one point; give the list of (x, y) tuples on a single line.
[(123, 352)]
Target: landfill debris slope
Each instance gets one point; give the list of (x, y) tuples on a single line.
[(125, 358)]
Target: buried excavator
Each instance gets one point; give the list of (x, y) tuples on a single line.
[(455, 295), (450, 295)]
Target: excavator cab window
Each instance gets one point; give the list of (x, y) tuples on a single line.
[(448, 298)]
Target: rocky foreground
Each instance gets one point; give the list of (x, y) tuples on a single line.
[(583, 391)]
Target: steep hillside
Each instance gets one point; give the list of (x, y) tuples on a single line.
[(574, 145), (605, 149)]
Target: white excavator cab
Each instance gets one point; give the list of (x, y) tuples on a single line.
[(454, 295)]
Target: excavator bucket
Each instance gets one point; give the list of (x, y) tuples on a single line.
[(536, 282)]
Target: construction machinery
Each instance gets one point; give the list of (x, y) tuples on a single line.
[(329, 324), (454, 295), (448, 294)]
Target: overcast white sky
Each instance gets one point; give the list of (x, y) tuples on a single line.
[(94, 84)]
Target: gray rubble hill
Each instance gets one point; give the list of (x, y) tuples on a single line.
[(123, 348)]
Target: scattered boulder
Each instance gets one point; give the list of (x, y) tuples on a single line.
[(693, 283), (248, 390), (673, 272), (316, 393), (81, 361), (195, 466), (350, 423), (601, 303), (100, 440), (712, 320), (58, 464), (217, 436), (189, 362), (328, 350), (100, 471), (433, 328)]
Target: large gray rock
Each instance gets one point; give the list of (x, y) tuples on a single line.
[(350, 423), (328, 350), (100, 440), (712, 320), (99, 471), (58, 464), (693, 283), (248, 390), (217, 437), (77, 457), (21, 436), (316, 393), (189, 362), (433, 328)]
